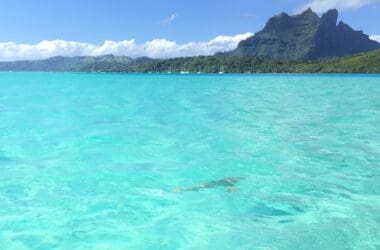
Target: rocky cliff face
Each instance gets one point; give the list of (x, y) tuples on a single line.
[(305, 36)]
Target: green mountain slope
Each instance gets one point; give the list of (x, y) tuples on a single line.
[(305, 36), (364, 62)]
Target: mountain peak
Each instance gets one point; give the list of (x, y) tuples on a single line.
[(305, 36), (307, 13), (308, 10), (330, 17)]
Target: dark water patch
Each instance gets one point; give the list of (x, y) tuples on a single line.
[(287, 202), (346, 196), (229, 183), (4, 159), (298, 209), (285, 221), (277, 208), (262, 209)]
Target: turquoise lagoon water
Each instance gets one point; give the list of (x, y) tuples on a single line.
[(93, 161)]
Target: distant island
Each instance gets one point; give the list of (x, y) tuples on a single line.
[(303, 43)]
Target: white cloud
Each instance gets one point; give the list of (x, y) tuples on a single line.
[(375, 38), (157, 48), (320, 6), (170, 19)]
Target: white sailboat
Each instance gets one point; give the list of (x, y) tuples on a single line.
[(183, 72), (222, 70)]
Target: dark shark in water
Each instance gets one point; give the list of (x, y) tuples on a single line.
[(228, 183)]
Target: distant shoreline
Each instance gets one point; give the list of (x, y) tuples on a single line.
[(367, 62)]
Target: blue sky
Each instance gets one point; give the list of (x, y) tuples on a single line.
[(180, 21)]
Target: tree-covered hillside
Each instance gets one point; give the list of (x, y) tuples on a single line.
[(368, 62)]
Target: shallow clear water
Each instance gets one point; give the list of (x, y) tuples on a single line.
[(92, 161)]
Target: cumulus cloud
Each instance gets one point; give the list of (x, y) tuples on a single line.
[(157, 48), (323, 5), (12, 51), (375, 38), (170, 19)]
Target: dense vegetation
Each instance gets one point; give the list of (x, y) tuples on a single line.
[(368, 62)]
